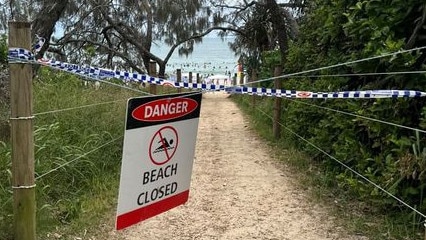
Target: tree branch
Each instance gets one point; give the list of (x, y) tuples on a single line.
[(421, 21), (115, 52), (166, 59)]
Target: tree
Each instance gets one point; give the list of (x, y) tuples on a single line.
[(119, 32), (263, 25), (122, 32), (45, 21), (339, 31)]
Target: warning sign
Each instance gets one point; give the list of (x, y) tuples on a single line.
[(158, 152)]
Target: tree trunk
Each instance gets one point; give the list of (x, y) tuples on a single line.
[(162, 69), (279, 25), (45, 21)]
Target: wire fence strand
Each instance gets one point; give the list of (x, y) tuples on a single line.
[(358, 116), (361, 74), (78, 107), (338, 65), (345, 166), (77, 158)]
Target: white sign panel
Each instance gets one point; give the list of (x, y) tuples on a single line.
[(158, 153)]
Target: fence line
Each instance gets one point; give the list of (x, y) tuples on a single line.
[(67, 163), (220, 87), (346, 166), (273, 78), (360, 116), (23, 55)]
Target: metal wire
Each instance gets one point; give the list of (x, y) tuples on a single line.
[(346, 166), (74, 108), (359, 116), (77, 158)]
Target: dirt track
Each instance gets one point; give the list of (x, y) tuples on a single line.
[(237, 191)]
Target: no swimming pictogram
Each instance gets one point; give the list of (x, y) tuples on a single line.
[(163, 145)]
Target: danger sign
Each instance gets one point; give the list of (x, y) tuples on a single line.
[(158, 153)]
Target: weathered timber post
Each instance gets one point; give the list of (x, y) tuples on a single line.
[(276, 128), (153, 73), (241, 80), (23, 182), (179, 79), (190, 80), (253, 79)]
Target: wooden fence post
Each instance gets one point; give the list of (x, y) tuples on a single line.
[(23, 182), (276, 128), (179, 78), (253, 79), (153, 73)]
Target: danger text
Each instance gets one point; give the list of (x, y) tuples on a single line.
[(164, 109)]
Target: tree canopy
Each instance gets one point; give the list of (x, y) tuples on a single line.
[(121, 33)]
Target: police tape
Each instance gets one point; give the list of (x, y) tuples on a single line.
[(23, 55)]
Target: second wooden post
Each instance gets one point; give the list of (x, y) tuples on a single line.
[(276, 127)]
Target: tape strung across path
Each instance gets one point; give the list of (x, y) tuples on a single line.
[(23, 55)]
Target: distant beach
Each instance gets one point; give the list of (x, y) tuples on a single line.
[(211, 57)]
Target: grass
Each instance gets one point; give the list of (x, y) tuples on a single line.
[(76, 195), (356, 214)]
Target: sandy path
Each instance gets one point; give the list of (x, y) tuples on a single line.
[(237, 191)]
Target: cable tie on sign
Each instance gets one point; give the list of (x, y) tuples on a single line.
[(24, 187), (21, 118)]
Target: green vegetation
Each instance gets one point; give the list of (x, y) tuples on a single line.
[(393, 157), (78, 194), (370, 214)]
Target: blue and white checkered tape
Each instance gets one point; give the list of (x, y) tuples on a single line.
[(101, 73), (39, 44)]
